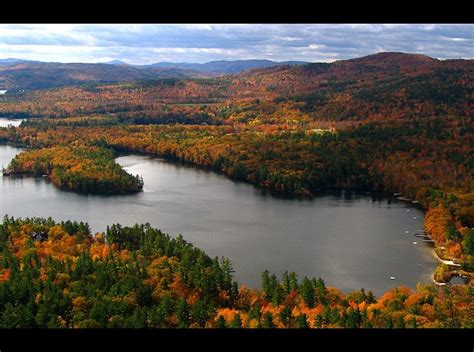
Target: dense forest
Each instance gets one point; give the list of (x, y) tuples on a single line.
[(429, 161), (78, 168), (389, 122), (57, 275)]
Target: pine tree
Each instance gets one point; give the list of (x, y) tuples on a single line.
[(268, 321), (307, 292), (182, 312), (266, 285), (302, 322), (285, 315), (293, 281), (254, 312), (236, 322), (285, 282), (278, 295), (220, 323), (468, 242)]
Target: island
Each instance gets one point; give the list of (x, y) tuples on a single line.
[(77, 167)]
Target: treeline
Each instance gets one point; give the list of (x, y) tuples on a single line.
[(80, 168), (428, 160), (57, 275), (376, 88)]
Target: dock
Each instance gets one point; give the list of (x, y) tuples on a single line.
[(405, 199), (424, 236)]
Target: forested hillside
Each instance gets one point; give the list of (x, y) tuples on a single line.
[(378, 87), (60, 276), (390, 122)]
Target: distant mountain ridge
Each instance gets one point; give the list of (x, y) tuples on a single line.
[(13, 61), (115, 62), (376, 87), (225, 67), (25, 74), (281, 78)]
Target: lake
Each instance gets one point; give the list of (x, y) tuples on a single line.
[(348, 239)]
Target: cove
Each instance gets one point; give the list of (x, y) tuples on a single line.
[(350, 240)]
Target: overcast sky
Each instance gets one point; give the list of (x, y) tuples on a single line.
[(145, 44)]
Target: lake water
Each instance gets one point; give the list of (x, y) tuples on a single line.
[(349, 240)]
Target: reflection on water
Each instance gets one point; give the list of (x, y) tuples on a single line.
[(349, 240)]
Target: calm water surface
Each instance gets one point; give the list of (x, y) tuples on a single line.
[(349, 240)]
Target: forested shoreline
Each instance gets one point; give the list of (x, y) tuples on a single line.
[(58, 275), (78, 168), (369, 158), (391, 122)]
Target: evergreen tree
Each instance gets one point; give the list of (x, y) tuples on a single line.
[(200, 312), (182, 312), (255, 311), (285, 282), (285, 315), (236, 322), (266, 285), (302, 322), (268, 321), (278, 295), (293, 279), (220, 323), (468, 242), (307, 292)]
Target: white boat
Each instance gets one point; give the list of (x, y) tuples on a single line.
[(392, 277), (415, 242)]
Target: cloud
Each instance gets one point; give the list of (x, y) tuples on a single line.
[(148, 43)]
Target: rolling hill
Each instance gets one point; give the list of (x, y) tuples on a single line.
[(31, 75), (224, 67), (381, 86)]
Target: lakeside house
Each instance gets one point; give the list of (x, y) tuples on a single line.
[(2, 92)]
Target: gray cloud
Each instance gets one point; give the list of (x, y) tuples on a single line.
[(148, 43)]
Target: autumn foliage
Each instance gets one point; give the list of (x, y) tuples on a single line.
[(59, 275), (391, 123), (77, 167)]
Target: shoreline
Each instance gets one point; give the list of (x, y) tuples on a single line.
[(444, 261), (394, 196)]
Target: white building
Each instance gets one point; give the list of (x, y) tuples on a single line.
[(2, 92)]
